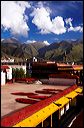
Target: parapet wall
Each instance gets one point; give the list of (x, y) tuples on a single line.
[(59, 81)]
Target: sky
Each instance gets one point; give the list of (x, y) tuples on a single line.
[(44, 21)]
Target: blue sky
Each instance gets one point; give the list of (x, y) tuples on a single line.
[(42, 21)]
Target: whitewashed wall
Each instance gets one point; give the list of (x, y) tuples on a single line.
[(9, 73), (3, 78)]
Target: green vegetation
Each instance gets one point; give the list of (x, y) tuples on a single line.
[(28, 75), (18, 73)]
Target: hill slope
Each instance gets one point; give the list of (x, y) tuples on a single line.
[(13, 48)]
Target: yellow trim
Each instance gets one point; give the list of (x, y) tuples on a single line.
[(79, 90), (62, 101), (71, 94), (38, 117), (42, 114), (65, 68), (78, 68), (74, 93)]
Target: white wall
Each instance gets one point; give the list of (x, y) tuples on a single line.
[(3, 78), (9, 73), (24, 68)]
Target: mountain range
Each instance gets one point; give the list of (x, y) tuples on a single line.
[(13, 48)]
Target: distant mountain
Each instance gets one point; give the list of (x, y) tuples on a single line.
[(2, 39), (55, 51), (10, 40), (11, 47)]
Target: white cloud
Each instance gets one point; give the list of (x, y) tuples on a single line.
[(46, 42), (71, 28), (13, 16), (45, 4), (41, 18), (30, 41), (58, 25), (40, 4), (33, 41), (78, 28), (23, 4), (68, 21)]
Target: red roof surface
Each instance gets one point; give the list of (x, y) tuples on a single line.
[(4, 67), (63, 75), (14, 117)]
